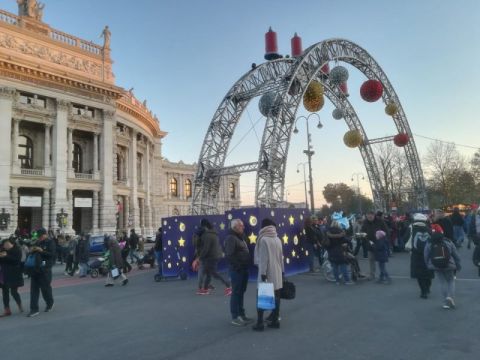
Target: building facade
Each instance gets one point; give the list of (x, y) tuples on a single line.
[(77, 152)]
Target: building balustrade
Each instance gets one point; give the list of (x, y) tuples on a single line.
[(83, 176), (32, 172)]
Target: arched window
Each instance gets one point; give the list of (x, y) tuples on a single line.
[(188, 188), (231, 190), (25, 152), (139, 169), (77, 162), (173, 187)]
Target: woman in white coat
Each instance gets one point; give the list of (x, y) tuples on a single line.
[(269, 259)]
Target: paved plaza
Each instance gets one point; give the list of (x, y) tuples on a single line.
[(148, 320)]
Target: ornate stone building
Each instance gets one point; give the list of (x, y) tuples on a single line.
[(76, 150)]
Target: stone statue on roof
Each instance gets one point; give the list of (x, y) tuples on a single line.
[(31, 8), (106, 34)]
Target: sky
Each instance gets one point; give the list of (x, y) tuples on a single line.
[(183, 57)]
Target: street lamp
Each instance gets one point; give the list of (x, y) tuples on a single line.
[(304, 181), (358, 175), (309, 152)]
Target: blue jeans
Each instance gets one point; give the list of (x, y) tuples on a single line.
[(83, 269), (312, 252), (340, 268), (133, 254), (239, 279), (383, 271), (458, 234)]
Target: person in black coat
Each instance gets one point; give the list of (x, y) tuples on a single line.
[(337, 244), (10, 261)]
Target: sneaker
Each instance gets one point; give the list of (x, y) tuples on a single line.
[(246, 319), (203, 292), (238, 322), (445, 306), (228, 291), (66, 273), (33, 313), (349, 283), (108, 285), (6, 312), (449, 301), (49, 308), (124, 282)]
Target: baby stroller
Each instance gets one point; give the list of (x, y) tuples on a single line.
[(97, 267), (353, 267), (148, 258), (181, 273)]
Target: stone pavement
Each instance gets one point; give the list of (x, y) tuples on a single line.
[(148, 320)]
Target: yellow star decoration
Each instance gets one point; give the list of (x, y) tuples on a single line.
[(252, 238), (295, 240), (181, 227), (181, 242), (291, 219), (285, 239), (293, 253), (222, 226)]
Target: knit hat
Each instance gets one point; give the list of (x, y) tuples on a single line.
[(437, 228), (380, 234), (268, 222), (206, 223)]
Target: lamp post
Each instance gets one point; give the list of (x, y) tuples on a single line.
[(358, 175), (304, 181), (309, 152)]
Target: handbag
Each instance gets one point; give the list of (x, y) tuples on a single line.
[(266, 296), (288, 290), (115, 273)]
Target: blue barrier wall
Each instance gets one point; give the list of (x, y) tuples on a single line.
[(178, 231)]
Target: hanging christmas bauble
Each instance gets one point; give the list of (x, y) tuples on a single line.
[(391, 109), (401, 139), (371, 90), (338, 75), (269, 104), (337, 114), (313, 98), (353, 138), (313, 104)]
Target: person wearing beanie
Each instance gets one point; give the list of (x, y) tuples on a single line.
[(269, 259), (381, 256), (441, 256)]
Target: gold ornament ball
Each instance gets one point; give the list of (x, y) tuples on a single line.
[(314, 90), (313, 105), (353, 138), (391, 109)]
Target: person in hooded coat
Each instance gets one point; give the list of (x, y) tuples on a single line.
[(10, 261)]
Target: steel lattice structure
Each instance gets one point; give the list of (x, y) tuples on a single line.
[(280, 76)]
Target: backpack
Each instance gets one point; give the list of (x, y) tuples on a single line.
[(32, 263), (440, 255)]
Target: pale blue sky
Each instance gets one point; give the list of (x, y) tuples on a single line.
[(183, 56)]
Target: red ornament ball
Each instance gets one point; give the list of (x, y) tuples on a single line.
[(371, 90), (401, 139)]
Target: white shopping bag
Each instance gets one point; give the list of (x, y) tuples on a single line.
[(115, 273), (266, 296)]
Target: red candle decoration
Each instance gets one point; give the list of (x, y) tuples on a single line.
[(296, 45), (325, 69), (271, 47), (344, 88), (401, 139), (371, 90)]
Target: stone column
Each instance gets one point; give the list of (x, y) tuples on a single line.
[(107, 205), (95, 156), (15, 135), (6, 101), (46, 160), (14, 215), (69, 211), (71, 173), (133, 181), (147, 211), (46, 208), (60, 150), (95, 212), (126, 212)]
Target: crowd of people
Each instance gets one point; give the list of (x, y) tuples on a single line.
[(432, 240)]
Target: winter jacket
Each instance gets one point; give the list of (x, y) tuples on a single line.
[(418, 267), (158, 242), (236, 251), (269, 254), (380, 250), (83, 251), (457, 219), (313, 235), (115, 255), (371, 227), (337, 245), (12, 268), (447, 227), (454, 261), (210, 248), (133, 241), (48, 253)]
